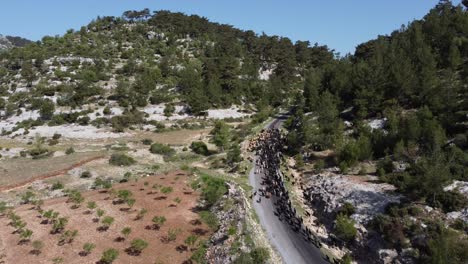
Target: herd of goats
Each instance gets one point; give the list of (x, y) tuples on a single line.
[(268, 150)]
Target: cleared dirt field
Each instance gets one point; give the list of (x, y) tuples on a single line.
[(21, 170), (177, 206)]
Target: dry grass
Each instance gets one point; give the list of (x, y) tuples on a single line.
[(177, 137), (18, 170)]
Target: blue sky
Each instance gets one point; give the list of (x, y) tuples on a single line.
[(340, 24)]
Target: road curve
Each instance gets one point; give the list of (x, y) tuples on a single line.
[(292, 247)]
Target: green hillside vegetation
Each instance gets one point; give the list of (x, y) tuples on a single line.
[(415, 79), (209, 64)]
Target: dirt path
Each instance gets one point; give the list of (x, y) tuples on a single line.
[(49, 175)]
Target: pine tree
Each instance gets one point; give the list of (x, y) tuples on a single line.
[(312, 87), (221, 134)]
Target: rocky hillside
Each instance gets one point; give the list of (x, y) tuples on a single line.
[(139, 69), (8, 42), (381, 138)]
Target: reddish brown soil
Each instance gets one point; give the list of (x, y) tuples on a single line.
[(182, 216)]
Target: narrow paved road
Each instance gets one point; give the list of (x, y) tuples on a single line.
[(292, 247)]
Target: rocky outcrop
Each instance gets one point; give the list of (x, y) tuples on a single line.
[(460, 187), (231, 214), (328, 193), (8, 42), (5, 43)]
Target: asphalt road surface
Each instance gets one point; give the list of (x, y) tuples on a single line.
[(291, 245)]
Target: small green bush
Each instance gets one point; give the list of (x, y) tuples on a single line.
[(210, 219), (147, 141), (86, 174), (344, 228), (199, 147), (70, 150), (109, 256), (120, 159), (138, 245), (161, 149), (57, 185)]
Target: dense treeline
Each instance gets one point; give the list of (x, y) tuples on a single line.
[(415, 78), (212, 65), (413, 81)]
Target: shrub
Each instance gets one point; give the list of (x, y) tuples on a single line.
[(172, 234), (346, 259), (260, 255), (53, 142), (147, 141), (199, 255), (234, 155), (88, 247), (3, 207), (119, 159), (27, 197), (385, 166), (86, 174), (46, 110), (347, 209), (344, 228), (39, 153), (100, 213), (166, 190), (101, 183), (141, 214), (126, 231), (107, 110), (91, 205), (38, 204), (107, 221), (59, 225), (451, 201), (68, 237), (199, 147), (137, 245), (130, 202), (26, 234), (319, 165), (57, 260), (159, 220), (75, 197), (56, 186), (109, 255), (232, 231), (446, 246), (126, 177), (161, 149), (299, 161), (210, 219), (56, 136), (124, 195), (70, 151), (212, 189), (83, 121), (169, 109), (191, 240)]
